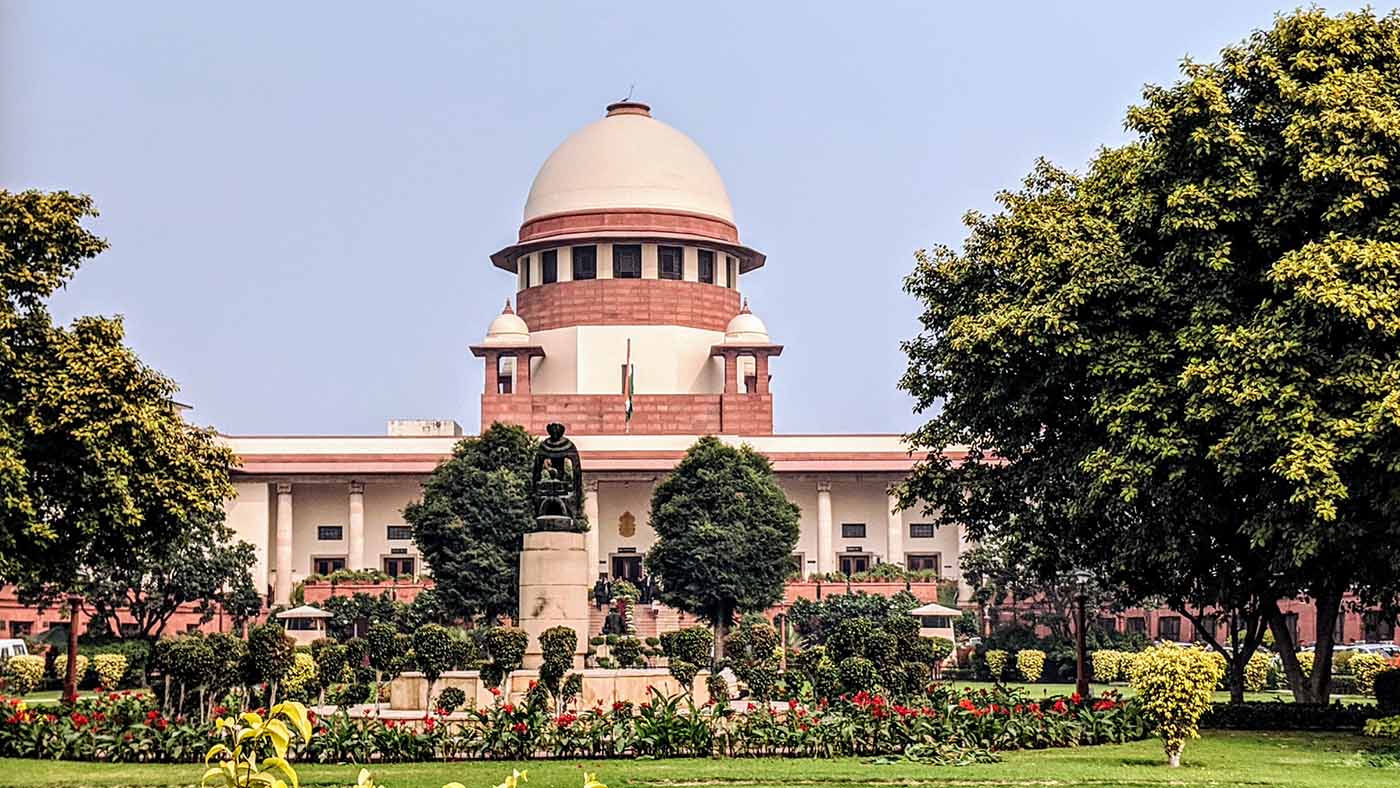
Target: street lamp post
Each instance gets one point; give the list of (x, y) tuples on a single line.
[(1081, 579)]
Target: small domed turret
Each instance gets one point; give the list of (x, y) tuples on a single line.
[(508, 329), (746, 329)]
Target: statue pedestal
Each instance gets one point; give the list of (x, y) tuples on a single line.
[(554, 590)]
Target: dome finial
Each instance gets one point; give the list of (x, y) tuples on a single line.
[(744, 310), (508, 310)]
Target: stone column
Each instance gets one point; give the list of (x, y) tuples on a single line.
[(522, 373), (356, 558), (731, 372), (760, 372), (894, 533), (595, 527), (826, 555), (553, 590), (282, 590), (964, 590), (493, 372)]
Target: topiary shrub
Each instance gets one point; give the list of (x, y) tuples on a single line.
[(627, 651), (229, 654), (686, 651), (882, 649), (1364, 668), (432, 651), (60, 667), (1030, 663), (557, 645), (917, 676), (1387, 690), (110, 668), (1175, 687), (849, 638), (299, 682), (1256, 672), (23, 673), (857, 675), (996, 663), (269, 656), (450, 700), (1107, 665), (505, 646)]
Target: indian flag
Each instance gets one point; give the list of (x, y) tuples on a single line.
[(628, 386)]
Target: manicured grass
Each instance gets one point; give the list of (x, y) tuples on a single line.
[(1221, 758), (1045, 690)]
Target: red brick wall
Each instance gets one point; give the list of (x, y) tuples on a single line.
[(617, 302), (652, 414)]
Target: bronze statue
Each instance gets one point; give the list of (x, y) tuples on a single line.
[(558, 508)]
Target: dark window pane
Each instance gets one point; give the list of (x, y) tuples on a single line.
[(732, 270), (921, 530), (1137, 624), (627, 261), (1169, 628), (549, 267), (707, 266), (585, 262), (330, 533), (324, 566), (852, 530), (927, 562), (525, 271), (400, 532), (670, 262)]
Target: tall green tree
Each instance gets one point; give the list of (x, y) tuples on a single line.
[(95, 459), (1183, 365), (725, 533), (471, 522)]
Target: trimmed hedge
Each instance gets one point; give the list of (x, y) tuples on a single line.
[(1278, 715)]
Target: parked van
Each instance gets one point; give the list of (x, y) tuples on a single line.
[(11, 648)]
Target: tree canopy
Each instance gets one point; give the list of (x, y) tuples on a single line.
[(1181, 366), (470, 524), (725, 533)]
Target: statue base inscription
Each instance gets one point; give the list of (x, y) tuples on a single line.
[(554, 589)]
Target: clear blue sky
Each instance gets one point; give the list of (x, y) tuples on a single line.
[(301, 197)]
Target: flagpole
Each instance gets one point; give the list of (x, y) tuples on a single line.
[(627, 386)]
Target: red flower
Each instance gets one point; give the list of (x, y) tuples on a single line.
[(1076, 699), (429, 722), (443, 711), (310, 716), (79, 719), (496, 691), (161, 724), (565, 720), (221, 710), (966, 704), (388, 725), (792, 703), (1060, 707), (509, 708), (151, 715), (1105, 705), (520, 728), (619, 705), (751, 707)]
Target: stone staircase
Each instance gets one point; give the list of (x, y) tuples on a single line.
[(650, 620)]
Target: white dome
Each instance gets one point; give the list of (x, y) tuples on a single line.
[(746, 329), (507, 329), (628, 160)]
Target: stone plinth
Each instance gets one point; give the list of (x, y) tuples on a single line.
[(554, 590), (409, 691)]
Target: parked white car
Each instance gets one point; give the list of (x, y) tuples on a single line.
[(11, 648)]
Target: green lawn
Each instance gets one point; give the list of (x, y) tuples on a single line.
[(1220, 759), (1044, 690)]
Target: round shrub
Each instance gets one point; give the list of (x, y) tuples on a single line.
[(826, 679), (917, 675), (229, 654), (857, 674), (505, 646), (894, 680), (939, 649), (686, 650), (331, 664), (849, 638), (1030, 663), (349, 694), (60, 667), (996, 663), (762, 679), (450, 699), (557, 645), (1364, 668), (269, 654), (1175, 687), (718, 688), (432, 649), (882, 649), (190, 661), (1107, 665), (110, 668), (23, 673), (1256, 672), (465, 654), (628, 652), (299, 682)]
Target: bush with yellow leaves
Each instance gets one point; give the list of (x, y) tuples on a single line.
[(1175, 687), (1256, 672), (1364, 668), (60, 667), (109, 669), (996, 663), (1030, 663), (1107, 664)]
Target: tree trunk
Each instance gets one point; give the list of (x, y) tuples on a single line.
[(721, 629), (376, 691), (272, 701), (1329, 606), (1236, 679), (1288, 654), (70, 676)]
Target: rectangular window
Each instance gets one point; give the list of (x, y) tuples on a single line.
[(923, 562), (670, 262), (398, 567), (921, 530), (525, 272), (549, 267), (627, 261), (585, 262), (330, 533), (1169, 628), (732, 270), (707, 266), (301, 624), (1108, 624), (853, 564), (327, 564), (796, 564), (399, 533), (21, 629), (1137, 625), (852, 530), (1379, 627)]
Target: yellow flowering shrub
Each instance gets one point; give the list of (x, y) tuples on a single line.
[(996, 663), (1305, 661), (23, 673), (1030, 663), (300, 676), (109, 669), (1364, 668), (60, 667), (1175, 687), (1256, 672), (1107, 665), (1224, 664)]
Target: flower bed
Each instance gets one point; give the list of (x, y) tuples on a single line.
[(125, 727)]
